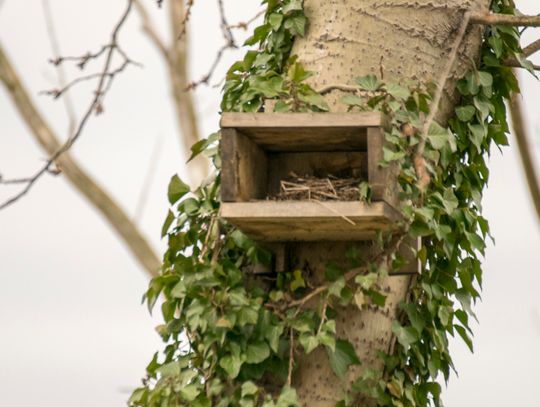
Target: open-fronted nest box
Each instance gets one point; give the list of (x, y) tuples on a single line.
[(293, 176)]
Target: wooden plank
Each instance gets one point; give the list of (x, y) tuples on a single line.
[(305, 131), (303, 120), (244, 168), (309, 220)]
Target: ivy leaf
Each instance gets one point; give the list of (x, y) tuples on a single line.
[(465, 113), (298, 281), (257, 352), (189, 392), (170, 369), (287, 398), (368, 82), (296, 24), (485, 78), (405, 335), (275, 20), (167, 224), (249, 388), (293, 5), (461, 331), (231, 364), (352, 100), (478, 134), (438, 136), (312, 98), (342, 357), (397, 91), (177, 189), (308, 342)]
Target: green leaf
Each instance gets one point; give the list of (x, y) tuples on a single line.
[(275, 20), (312, 98), (366, 281), (167, 224), (177, 189), (231, 364), (257, 352), (405, 335), (287, 398), (352, 100), (465, 113), (249, 388), (296, 24), (461, 331), (292, 5), (190, 392), (297, 73), (368, 82), (397, 91), (298, 281), (343, 357), (438, 136), (309, 342), (478, 134), (485, 79), (170, 369)]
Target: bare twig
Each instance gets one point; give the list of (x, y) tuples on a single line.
[(150, 30), (504, 19), (95, 106), (185, 18), (178, 75), (88, 187), (531, 48), (61, 72), (291, 358), (522, 138), (245, 24), (229, 44), (419, 161)]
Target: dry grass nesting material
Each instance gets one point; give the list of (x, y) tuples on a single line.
[(321, 189)]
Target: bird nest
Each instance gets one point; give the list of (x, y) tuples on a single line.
[(309, 187)]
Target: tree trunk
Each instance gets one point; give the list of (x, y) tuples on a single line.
[(405, 41)]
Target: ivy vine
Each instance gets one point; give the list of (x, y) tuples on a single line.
[(231, 340)]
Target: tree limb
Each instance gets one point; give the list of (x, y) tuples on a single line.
[(89, 188), (178, 74), (522, 138), (505, 19)]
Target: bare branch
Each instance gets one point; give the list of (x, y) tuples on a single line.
[(522, 138), (61, 73), (96, 105), (89, 188), (243, 25), (504, 19), (183, 18), (150, 30), (178, 76), (531, 48)]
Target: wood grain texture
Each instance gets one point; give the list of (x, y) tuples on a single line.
[(244, 168), (309, 220)]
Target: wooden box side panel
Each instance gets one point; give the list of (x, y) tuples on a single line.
[(383, 180), (244, 168)]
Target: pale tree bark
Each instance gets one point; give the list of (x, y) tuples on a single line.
[(89, 188), (175, 56), (408, 41)]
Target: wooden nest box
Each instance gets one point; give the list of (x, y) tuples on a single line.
[(262, 152)]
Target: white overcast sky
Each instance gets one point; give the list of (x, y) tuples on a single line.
[(72, 331)]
